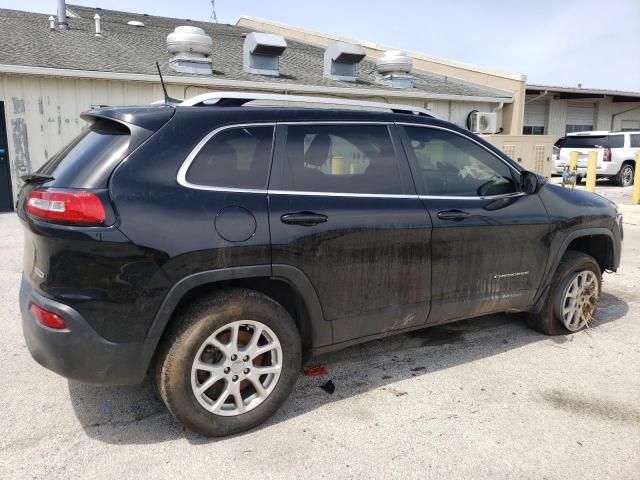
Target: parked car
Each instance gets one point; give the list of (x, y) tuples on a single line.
[(219, 246), (616, 154), (555, 156)]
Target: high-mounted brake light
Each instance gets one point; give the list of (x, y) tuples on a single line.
[(47, 318), (66, 206)]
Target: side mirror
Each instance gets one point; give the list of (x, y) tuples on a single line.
[(531, 182)]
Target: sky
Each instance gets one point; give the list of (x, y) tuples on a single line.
[(552, 42)]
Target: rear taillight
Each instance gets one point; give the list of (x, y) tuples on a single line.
[(66, 206), (607, 155), (47, 318)]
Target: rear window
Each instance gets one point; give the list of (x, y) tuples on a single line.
[(101, 146), (587, 141), (616, 141), (234, 158)]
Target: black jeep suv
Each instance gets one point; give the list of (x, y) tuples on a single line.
[(216, 246)]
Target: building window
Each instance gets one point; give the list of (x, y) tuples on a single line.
[(533, 130), (578, 128)]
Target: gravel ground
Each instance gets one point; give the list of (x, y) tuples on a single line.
[(480, 398)]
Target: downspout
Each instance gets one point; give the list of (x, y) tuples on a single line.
[(542, 95), (495, 110)]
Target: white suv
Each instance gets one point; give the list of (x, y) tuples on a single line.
[(616, 154)]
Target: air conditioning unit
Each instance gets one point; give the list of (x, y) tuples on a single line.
[(484, 122)]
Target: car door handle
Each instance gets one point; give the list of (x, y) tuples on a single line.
[(455, 215), (306, 219)]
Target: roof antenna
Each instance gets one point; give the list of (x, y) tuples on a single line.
[(167, 99), (213, 18)]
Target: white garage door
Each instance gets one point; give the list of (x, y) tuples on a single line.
[(580, 116), (535, 114)]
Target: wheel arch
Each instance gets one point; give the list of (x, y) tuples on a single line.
[(596, 242), (284, 283)]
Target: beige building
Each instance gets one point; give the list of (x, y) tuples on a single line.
[(515, 84)]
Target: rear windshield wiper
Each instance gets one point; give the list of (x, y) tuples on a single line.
[(36, 178)]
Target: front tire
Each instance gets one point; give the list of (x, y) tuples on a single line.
[(229, 361), (573, 296)]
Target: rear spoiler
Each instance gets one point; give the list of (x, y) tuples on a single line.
[(147, 117)]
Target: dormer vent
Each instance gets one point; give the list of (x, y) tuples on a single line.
[(191, 48), (261, 53), (395, 69), (341, 61)]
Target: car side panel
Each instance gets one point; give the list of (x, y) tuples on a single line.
[(177, 225)]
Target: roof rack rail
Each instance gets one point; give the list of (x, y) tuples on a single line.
[(237, 99)]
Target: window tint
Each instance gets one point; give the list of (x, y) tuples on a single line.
[(616, 141), (635, 140), (452, 165), (236, 158), (104, 141), (586, 141), (341, 159)]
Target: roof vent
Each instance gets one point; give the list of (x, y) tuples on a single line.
[(395, 69), (261, 53), (135, 23), (191, 48), (341, 60)]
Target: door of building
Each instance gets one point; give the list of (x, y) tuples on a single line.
[(6, 196)]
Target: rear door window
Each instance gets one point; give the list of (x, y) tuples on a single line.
[(635, 140), (235, 158), (586, 141), (616, 141), (341, 159)]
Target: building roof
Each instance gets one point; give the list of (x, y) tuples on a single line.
[(279, 26), (27, 41), (579, 92)]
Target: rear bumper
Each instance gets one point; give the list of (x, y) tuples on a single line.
[(604, 169), (78, 352)]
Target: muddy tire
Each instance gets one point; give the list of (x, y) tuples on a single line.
[(228, 362), (573, 296)]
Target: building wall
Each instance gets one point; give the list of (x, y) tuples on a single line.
[(42, 112), (608, 115)]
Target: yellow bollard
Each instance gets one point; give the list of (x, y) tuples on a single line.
[(636, 182), (591, 171), (573, 166), (337, 165)]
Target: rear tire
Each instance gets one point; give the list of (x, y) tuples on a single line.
[(573, 296), (624, 178), (199, 350)]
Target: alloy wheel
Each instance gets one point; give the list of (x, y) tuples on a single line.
[(236, 368), (627, 176), (579, 300)]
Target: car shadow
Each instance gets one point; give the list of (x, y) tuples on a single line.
[(135, 415)]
